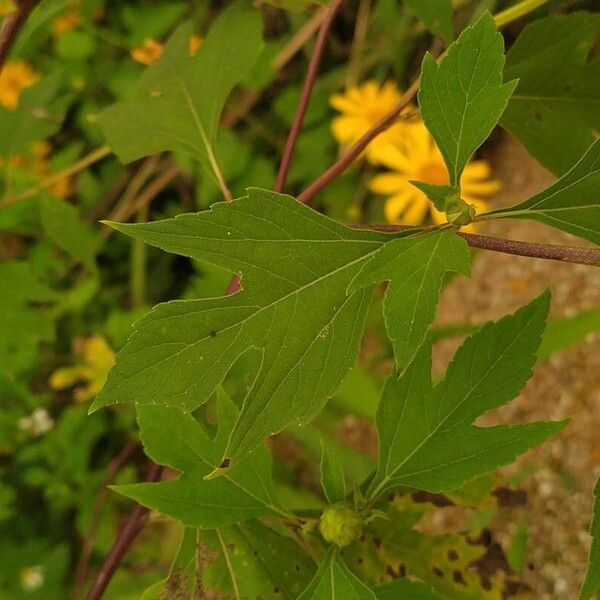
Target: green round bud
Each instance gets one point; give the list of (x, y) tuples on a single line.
[(341, 524)]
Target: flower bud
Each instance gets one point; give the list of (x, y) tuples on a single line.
[(341, 524)]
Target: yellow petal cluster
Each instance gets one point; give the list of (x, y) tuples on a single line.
[(148, 53), (91, 373), (15, 76), (36, 162), (406, 151)]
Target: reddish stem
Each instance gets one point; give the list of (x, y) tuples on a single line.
[(12, 25), (568, 254), (309, 84), (359, 147), (112, 470), (128, 533)]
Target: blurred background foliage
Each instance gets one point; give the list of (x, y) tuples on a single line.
[(70, 290)]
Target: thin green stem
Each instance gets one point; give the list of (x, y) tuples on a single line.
[(77, 167), (517, 11)]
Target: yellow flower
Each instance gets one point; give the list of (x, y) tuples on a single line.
[(15, 76), (148, 53), (98, 358), (415, 156), (65, 23), (362, 107)]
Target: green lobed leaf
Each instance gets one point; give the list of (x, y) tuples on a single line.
[(177, 102), (570, 204), (296, 266), (255, 562), (462, 97), (591, 585), (334, 581), (179, 441), (436, 16), (415, 268), (333, 480), (426, 437), (555, 109)]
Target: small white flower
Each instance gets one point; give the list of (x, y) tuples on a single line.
[(37, 423)]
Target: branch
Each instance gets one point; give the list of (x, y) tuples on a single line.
[(124, 540), (309, 84), (12, 25), (112, 469), (569, 254), (359, 147)]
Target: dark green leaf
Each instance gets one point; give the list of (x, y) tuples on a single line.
[(462, 98), (570, 204), (436, 16), (426, 437), (555, 109), (179, 441), (334, 581), (415, 268), (296, 266)]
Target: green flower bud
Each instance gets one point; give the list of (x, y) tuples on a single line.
[(341, 524)]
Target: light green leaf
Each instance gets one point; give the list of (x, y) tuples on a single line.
[(179, 441), (462, 98), (333, 480), (37, 117), (23, 326), (436, 16), (415, 268), (426, 437), (570, 204), (555, 109), (177, 102), (334, 581), (255, 562), (562, 333), (181, 581), (405, 589), (296, 266), (66, 229), (591, 585)]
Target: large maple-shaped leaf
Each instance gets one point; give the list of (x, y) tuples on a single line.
[(415, 269), (177, 102), (426, 437), (591, 585), (179, 441), (334, 581), (296, 266), (555, 109), (462, 97), (572, 203)]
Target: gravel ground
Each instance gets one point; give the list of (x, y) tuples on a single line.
[(563, 471)]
